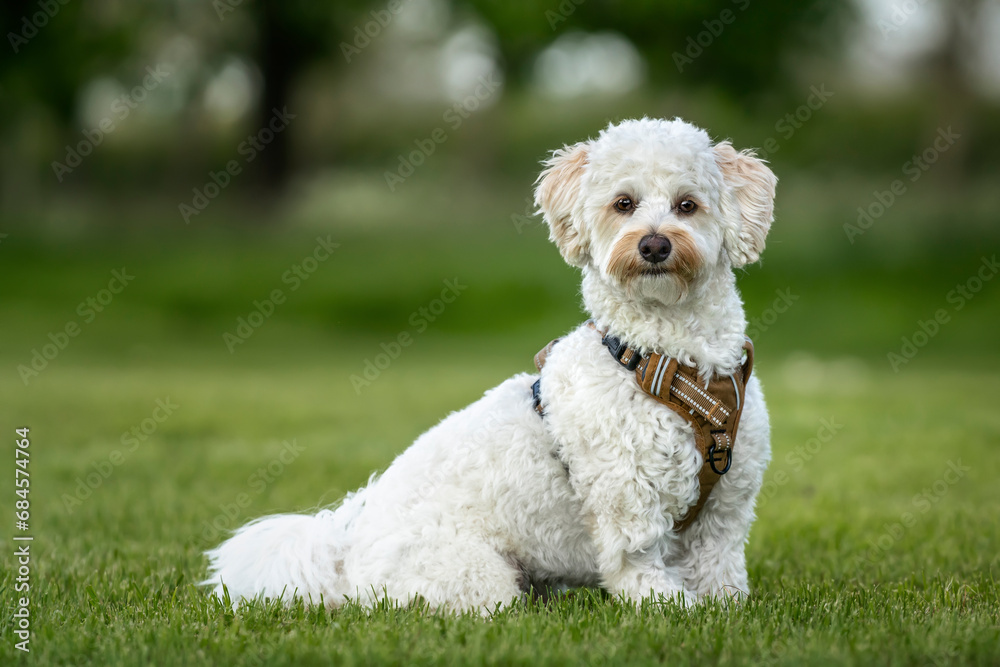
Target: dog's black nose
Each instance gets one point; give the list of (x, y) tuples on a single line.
[(654, 248)]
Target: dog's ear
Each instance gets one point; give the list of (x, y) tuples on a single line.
[(557, 196), (753, 186)]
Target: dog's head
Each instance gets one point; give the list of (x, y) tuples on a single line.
[(653, 206)]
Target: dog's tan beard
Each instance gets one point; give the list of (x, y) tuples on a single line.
[(627, 266)]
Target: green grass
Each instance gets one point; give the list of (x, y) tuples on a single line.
[(835, 580)]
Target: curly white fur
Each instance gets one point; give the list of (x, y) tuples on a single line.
[(494, 498)]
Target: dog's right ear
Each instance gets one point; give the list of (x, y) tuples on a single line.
[(558, 198)]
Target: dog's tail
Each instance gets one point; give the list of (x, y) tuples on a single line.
[(288, 555)]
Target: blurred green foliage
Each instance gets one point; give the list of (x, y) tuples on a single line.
[(338, 65)]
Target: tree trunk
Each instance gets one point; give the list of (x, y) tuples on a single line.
[(954, 94), (280, 58)]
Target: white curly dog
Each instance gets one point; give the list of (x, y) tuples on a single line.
[(591, 488)]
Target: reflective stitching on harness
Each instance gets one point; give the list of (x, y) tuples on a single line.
[(714, 405), (661, 369)]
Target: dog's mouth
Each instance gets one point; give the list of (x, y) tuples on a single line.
[(655, 271)]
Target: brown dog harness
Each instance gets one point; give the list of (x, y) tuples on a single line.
[(712, 408)]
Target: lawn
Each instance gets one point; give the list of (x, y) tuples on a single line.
[(878, 534)]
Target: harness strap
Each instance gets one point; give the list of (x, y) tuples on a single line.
[(543, 354), (683, 387), (712, 407)]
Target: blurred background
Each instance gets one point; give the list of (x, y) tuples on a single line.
[(288, 191), (201, 133)]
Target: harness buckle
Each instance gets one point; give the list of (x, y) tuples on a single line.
[(715, 455), (617, 348), (536, 397)]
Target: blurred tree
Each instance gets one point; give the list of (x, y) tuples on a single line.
[(291, 36), (739, 46), (948, 72), (682, 41), (55, 48), (51, 49)]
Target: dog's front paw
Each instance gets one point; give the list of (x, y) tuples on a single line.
[(653, 586), (660, 595)]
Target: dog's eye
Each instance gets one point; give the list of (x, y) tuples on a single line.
[(687, 206), (624, 205)]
